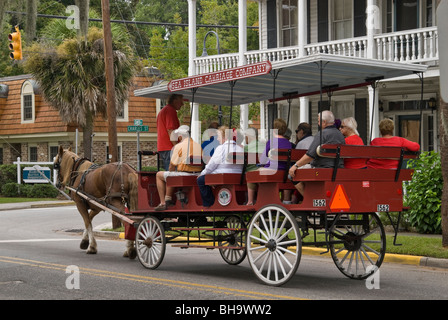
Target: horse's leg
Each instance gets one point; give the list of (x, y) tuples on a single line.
[(85, 236), (130, 252), (88, 241)]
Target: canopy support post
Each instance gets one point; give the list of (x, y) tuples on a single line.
[(420, 75), (374, 85)]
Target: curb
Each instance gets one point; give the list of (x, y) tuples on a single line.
[(25, 205), (57, 204)]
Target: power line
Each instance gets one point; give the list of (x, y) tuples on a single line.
[(167, 24)]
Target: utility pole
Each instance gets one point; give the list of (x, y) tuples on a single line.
[(110, 90), (442, 24), (110, 83)]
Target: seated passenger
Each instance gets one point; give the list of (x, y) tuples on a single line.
[(388, 139), (219, 164), (179, 166), (303, 136), (278, 142), (330, 135), (209, 145), (349, 130), (253, 147)]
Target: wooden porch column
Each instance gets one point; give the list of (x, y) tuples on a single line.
[(303, 27), (242, 44), (373, 26), (195, 123)]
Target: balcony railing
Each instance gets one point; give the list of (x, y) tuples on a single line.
[(410, 46)]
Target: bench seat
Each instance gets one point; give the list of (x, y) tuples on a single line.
[(182, 181), (224, 178)]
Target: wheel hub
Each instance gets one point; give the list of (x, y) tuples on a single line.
[(271, 245), (352, 241), (148, 242)]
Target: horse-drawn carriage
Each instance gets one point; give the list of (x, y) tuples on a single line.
[(338, 210)]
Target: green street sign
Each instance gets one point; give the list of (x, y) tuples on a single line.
[(138, 128)]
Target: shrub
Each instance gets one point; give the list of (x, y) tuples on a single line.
[(8, 173), (43, 191), (10, 189), (424, 193), (25, 189)]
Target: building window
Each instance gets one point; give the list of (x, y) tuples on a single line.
[(289, 22), (430, 13), (27, 107), (27, 102), (53, 152), (33, 154), (122, 112), (342, 19)]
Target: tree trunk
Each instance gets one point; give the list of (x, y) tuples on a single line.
[(3, 7), (87, 137), (442, 26), (444, 163), (83, 6), (31, 18)]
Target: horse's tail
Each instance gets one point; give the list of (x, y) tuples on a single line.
[(133, 190)]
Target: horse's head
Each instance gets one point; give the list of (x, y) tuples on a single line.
[(63, 164)]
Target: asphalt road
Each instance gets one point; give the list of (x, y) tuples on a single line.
[(40, 260)]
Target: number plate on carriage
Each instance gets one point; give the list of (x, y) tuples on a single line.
[(383, 208), (319, 202)]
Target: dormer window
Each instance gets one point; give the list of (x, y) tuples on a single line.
[(28, 102)]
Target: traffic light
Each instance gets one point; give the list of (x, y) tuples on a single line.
[(16, 45)]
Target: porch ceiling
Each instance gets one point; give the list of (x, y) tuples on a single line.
[(301, 75)]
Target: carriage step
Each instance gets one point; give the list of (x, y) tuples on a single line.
[(186, 246), (207, 229)]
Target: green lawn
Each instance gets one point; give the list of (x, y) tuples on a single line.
[(18, 200), (417, 245)]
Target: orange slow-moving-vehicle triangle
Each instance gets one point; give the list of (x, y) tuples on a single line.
[(340, 200)]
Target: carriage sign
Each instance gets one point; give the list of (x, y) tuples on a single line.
[(247, 71)]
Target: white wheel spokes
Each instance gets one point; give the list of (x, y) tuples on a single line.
[(274, 245), (150, 243)]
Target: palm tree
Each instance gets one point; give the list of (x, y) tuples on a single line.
[(72, 80)]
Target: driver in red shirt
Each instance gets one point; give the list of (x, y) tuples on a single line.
[(167, 122)]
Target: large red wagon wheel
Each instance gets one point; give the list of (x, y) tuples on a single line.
[(150, 242), (274, 245), (358, 244)]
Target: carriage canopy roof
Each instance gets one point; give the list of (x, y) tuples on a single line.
[(294, 78)]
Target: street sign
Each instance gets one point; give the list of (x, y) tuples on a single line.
[(138, 128), (138, 122)]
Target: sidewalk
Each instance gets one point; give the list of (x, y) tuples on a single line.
[(35, 204), (391, 258)]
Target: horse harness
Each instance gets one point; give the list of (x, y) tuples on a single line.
[(75, 173)]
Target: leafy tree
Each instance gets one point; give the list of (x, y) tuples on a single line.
[(77, 67)]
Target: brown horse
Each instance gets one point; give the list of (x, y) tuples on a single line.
[(114, 184)]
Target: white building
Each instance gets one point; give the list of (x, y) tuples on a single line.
[(401, 31)]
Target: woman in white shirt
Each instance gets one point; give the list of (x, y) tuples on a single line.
[(219, 164)]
